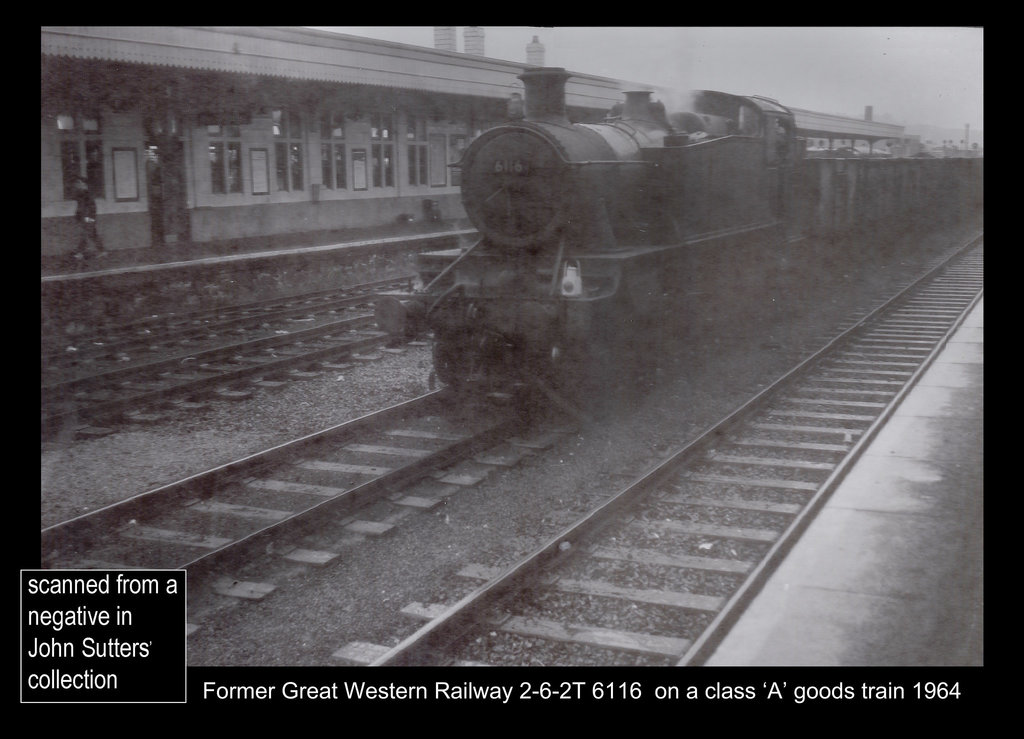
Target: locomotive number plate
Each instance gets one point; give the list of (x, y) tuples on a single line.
[(511, 166)]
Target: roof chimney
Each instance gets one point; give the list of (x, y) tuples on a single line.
[(545, 94), (444, 38), (869, 113), (535, 53), (473, 40)]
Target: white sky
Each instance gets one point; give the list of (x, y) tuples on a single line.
[(910, 75)]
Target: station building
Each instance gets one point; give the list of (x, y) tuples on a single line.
[(207, 134), (198, 134)]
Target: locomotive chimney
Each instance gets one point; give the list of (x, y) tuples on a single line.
[(638, 105), (545, 94)]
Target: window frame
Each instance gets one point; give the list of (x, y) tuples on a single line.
[(456, 147), (417, 151), (334, 176), (224, 169), (81, 152), (289, 150), (382, 150)]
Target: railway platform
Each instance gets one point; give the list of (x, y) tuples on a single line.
[(115, 288), (168, 256), (890, 573)]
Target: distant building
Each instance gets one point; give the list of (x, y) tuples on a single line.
[(825, 132)]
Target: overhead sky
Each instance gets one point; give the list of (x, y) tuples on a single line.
[(909, 75)]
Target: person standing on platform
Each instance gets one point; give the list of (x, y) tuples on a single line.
[(89, 241)]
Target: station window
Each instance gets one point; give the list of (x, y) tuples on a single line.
[(225, 153), (456, 148), (382, 149), (332, 150), (81, 152), (438, 160), (288, 150), (416, 139)]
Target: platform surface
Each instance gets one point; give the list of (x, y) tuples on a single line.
[(890, 573), (57, 268)]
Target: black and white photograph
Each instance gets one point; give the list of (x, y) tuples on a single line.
[(512, 346)]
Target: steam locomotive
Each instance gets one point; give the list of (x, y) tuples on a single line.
[(588, 230)]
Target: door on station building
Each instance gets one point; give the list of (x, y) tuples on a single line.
[(165, 177)]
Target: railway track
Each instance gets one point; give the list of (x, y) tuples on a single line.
[(657, 574), (61, 353), (211, 520), (212, 354)]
